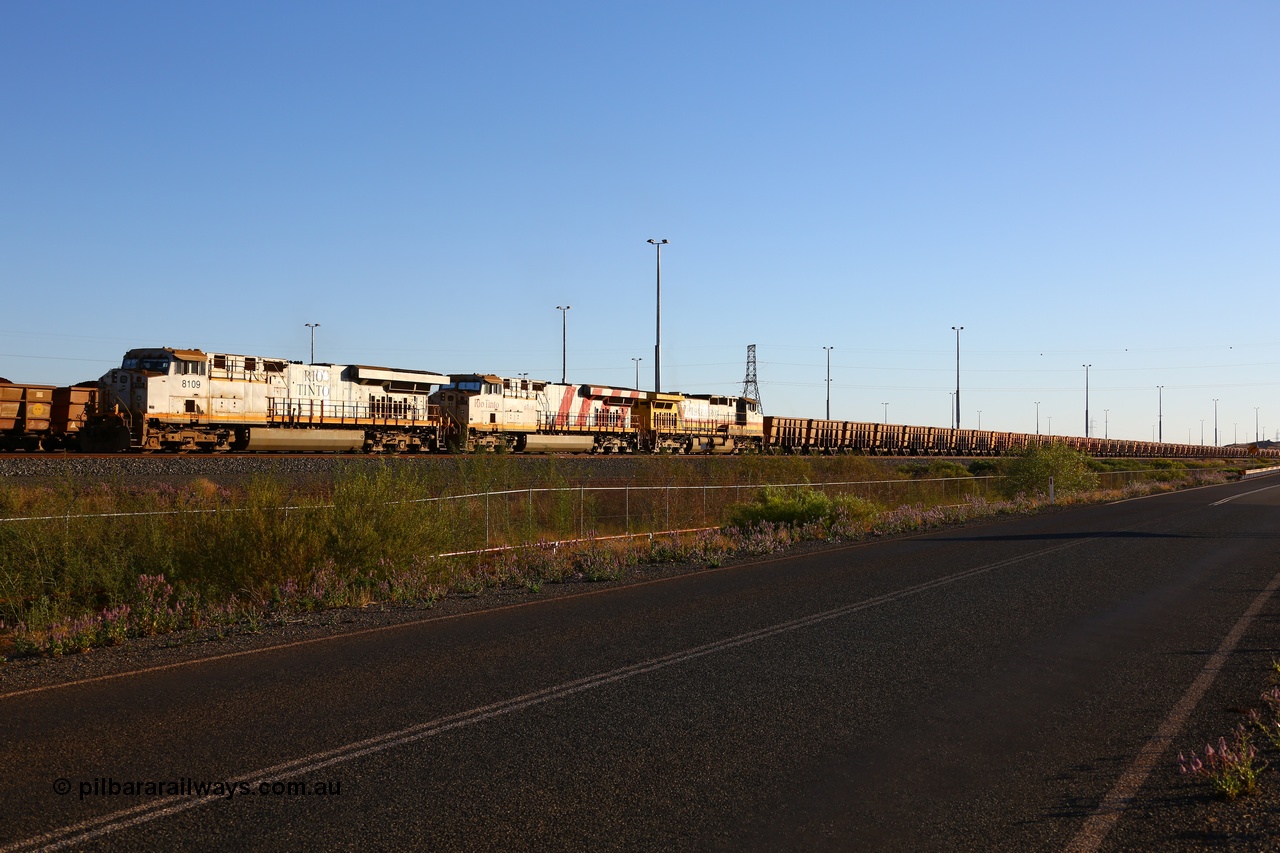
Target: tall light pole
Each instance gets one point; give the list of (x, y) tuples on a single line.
[(1256, 435), (1202, 432), (1106, 423), (951, 406), (637, 360), (1086, 398), (1037, 417), (958, 330), (1160, 412), (886, 413), (313, 327), (979, 420), (1215, 422), (828, 349), (657, 344), (564, 342), (1050, 426)]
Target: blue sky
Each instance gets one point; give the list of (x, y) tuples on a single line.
[(1074, 183)]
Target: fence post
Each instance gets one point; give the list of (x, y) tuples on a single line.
[(704, 504), (486, 518), (582, 511), (1050, 491), (627, 506), (668, 493)]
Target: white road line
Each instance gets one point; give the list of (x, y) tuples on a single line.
[(1100, 823), (1244, 495), (85, 831)]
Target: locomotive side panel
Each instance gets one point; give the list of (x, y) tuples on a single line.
[(165, 398)]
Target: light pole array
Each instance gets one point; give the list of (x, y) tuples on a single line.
[(564, 341), (637, 361), (657, 344), (313, 327), (828, 349)]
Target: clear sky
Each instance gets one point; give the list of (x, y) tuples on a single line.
[(1073, 182)]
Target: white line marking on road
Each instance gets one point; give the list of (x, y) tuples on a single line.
[(1244, 495), (1100, 823), (85, 831)]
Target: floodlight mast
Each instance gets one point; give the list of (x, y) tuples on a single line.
[(657, 344)]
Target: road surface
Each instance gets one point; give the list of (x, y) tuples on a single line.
[(982, 688)]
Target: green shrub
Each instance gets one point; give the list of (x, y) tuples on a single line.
[(984, 467), (934, 470), (1029, 473), (791, 507), (800, 507)]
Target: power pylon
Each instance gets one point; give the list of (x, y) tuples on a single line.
[(751, 385)]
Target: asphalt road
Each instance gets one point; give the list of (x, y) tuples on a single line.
[(974, 689)]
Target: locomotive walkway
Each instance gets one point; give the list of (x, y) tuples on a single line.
[(1010, 686)]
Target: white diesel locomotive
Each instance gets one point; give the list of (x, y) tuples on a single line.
[(175, 399)]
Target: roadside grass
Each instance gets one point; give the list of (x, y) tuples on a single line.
[(1236, 765), (115, 560)]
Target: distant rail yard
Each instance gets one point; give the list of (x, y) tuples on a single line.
[(168, 401)]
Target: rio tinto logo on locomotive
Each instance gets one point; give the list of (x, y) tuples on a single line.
[(314, 383)]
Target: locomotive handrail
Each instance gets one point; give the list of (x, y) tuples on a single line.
[(294, 411)]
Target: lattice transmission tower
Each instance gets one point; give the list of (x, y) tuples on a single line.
[(751, 385)]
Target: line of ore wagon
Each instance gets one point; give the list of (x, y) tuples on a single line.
[(167, 399)]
